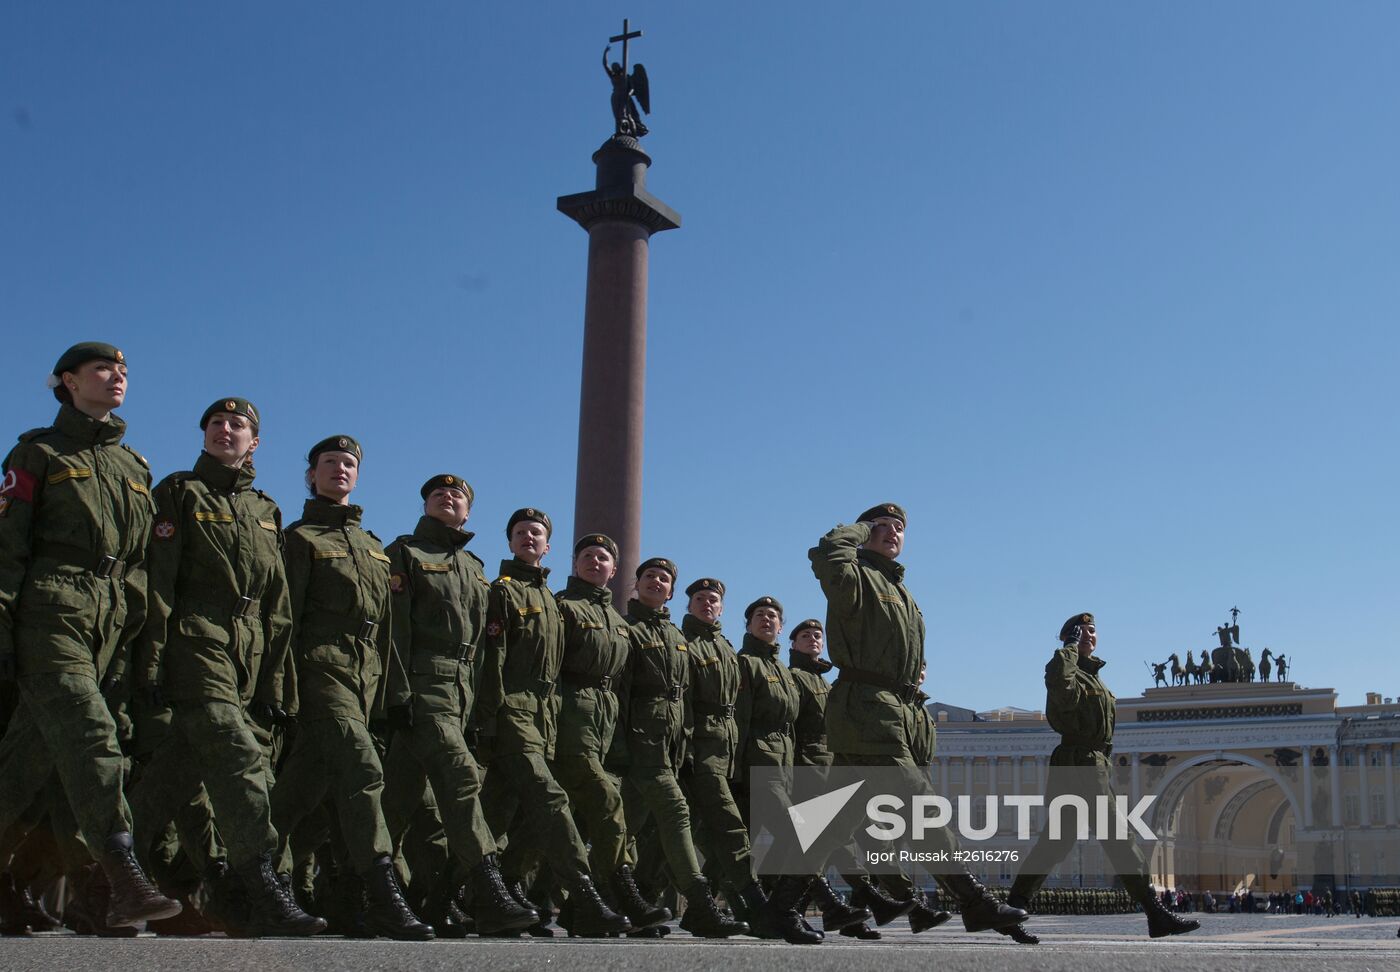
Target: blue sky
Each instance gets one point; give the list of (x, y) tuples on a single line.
[(1105, 294)]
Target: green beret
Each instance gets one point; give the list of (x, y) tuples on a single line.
[(884, 509), (448, 481), (803, 626), (705, 584), (335, 443), (532, 514), (764, 601), (596, 540), (81, 354), (668, 566), (78, 355), (233, 406), (1067, 629)]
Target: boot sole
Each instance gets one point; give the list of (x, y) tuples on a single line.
[(1175, 931), (169, 910), (519, 925), (993, 926)]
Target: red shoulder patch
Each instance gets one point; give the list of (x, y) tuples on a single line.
[(18, 484), (164, 528)]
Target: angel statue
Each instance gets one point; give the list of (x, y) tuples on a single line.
[(625, 87)]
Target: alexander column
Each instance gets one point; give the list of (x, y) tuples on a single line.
[(620, 217)]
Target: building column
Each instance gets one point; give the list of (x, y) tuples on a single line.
[(1135, 780), (1334, 756), (1016, 775), (1364, 786), (1307, 787), (1389, 785)]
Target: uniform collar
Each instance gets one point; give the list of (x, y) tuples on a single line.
[(641, 612), (892, 569), (1091, 664), (693, 627), (435, 531), (580, 590), (756, 646), (806, 663), (325, 513), (221, 477), (84, 428), (517, 569)]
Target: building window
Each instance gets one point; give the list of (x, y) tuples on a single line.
[(955, 771), (1348, 757), (1003, 771), (1377, 809), (1351, 809), (979, 771), (1374, 757)]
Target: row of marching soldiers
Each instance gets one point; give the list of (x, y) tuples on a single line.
[(302, 713)]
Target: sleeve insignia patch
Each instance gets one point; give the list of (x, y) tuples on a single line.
[(396, 581), (164, 528), (494, 628), (18, 484)]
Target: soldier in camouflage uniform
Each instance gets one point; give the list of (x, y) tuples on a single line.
[(765, 714), (218, 628), (656, 735), (518, 712), (719, 823), (439, 615), (1083, 711), (809, 671), (595, 654), (876, 635), (75, 518), (338, 579)]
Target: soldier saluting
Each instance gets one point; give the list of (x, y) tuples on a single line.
[(1082, 710)]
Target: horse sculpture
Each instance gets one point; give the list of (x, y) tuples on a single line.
[(1265, 666), (1190, 673), (1178, 673)]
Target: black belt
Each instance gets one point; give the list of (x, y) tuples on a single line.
[(462, 651), (243, 607), (325, 621), (1093, 745), (579, 680), (99, 564), (670, 693), (725, 710), (782, 729), (908, 692)]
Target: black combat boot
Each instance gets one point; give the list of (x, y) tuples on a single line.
[(631, 903), (189, 923), (883, 908), (388, 913), (776, 916), (980, 910), (225, 903), (133, 898), (862, 932), (923, 915), (495, 910), (86, 910), (21, 909), (589, 915), (271, 908), (702, 917), (1018, 933), (1160, 921), (836, 914)]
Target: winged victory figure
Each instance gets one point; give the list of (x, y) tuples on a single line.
[(625, 88)]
